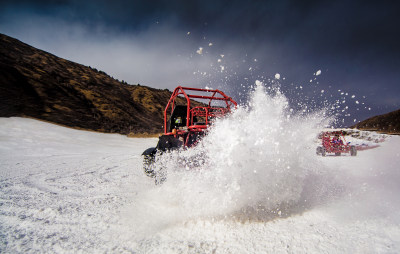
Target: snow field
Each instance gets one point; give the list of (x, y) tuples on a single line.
[(61, 189), (67, 191)]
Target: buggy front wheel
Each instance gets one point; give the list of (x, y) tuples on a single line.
[(353, 151), (148, 165)]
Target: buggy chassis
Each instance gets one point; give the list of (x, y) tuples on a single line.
[(334, 142), (185, 121)]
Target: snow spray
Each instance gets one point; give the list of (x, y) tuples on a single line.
[(254, 159)]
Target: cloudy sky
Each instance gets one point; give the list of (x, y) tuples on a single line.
[(345, 51)]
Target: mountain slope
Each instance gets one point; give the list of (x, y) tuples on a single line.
[(387, 123), (34, 83)]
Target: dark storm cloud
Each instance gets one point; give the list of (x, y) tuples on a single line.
[(353, 43)]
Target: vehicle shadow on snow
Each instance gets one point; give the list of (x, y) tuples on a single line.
[(318, 189)]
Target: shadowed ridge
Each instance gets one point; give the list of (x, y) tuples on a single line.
[(386, 123), (34, 83)]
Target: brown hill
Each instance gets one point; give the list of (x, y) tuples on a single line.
[(34, 83), (387, 123)]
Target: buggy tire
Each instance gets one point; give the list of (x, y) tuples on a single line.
[(148, 165), (149, 157), (323, 151), (353, 151)]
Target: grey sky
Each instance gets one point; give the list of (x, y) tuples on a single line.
[(155, 43)]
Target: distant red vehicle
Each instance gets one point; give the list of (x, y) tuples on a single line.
[(334, 142), (184, 123)]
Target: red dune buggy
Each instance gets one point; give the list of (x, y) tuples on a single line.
[(185, 121), (334, 142)]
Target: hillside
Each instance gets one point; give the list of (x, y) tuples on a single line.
[(386, 123), (37, 84)]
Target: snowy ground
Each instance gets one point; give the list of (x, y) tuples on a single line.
[(65, 190)]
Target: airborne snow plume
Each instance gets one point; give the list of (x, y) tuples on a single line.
[(255, 159)]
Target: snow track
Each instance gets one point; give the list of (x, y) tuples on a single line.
[(69, 191), (60, 190)]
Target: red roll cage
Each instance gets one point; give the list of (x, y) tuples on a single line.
[(334, 142), (206, 111)]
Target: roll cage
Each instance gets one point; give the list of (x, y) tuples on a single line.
[(181, 119)]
